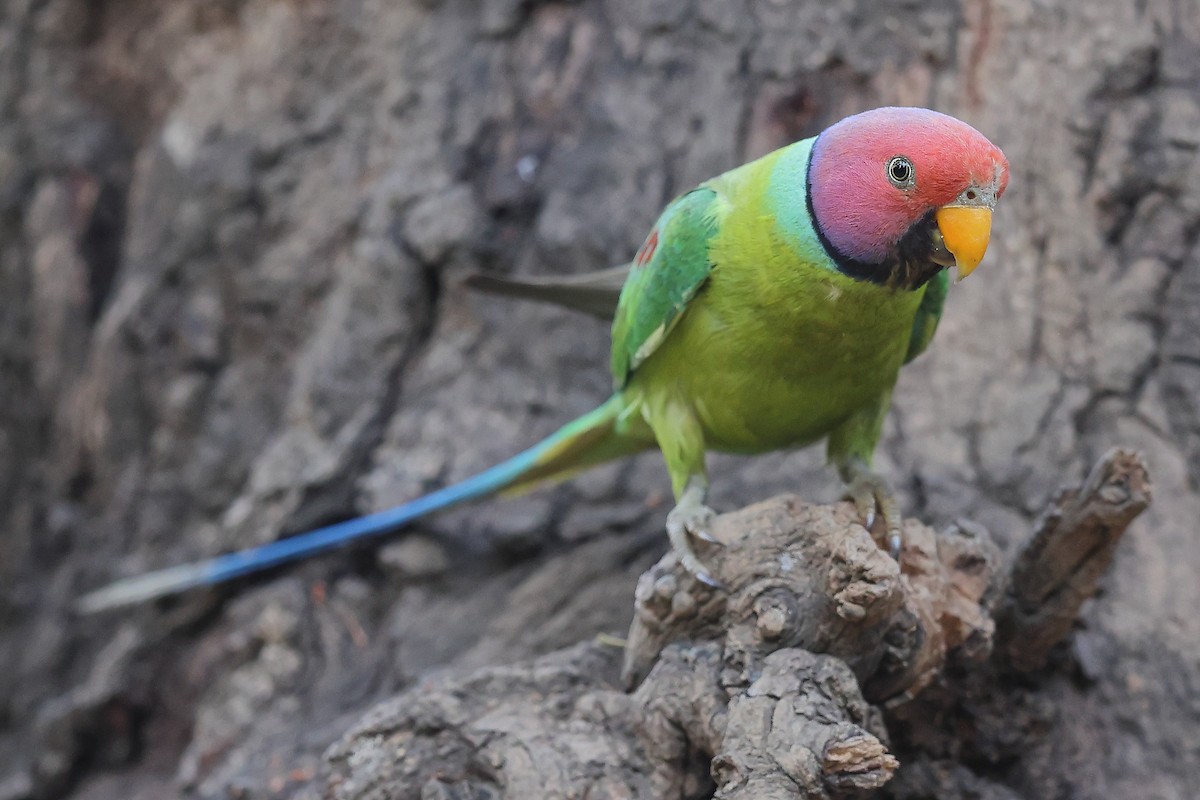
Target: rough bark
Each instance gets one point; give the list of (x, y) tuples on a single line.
[(231, 235), (1061, 565), (730, 683)]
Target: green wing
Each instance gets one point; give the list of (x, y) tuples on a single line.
[(928, 314), (666, 273)]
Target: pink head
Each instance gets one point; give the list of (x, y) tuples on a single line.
[(875, 177)]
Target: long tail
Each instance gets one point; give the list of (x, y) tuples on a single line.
[(588, 440)]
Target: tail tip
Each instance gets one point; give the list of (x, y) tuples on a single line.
[(142, 588)]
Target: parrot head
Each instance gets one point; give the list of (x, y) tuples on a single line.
[(900, 193)]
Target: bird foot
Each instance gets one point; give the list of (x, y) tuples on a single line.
[(688, 520), (871, 493)]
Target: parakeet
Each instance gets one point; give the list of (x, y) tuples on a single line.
[(770, 307)]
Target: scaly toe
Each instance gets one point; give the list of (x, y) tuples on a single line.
[(874, 499), (683, 525), (864, 503), (891, 518)]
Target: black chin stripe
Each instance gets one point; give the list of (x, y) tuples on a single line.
[(910, 267), (913, 265)]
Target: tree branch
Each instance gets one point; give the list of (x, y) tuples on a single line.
[(1062, 564), (774, 689)]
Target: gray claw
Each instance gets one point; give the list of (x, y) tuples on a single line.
[(894, 545), (709, 580)]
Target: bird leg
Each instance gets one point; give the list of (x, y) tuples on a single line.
[(870, 492), (690, 518)]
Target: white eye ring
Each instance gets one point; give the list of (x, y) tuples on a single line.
[(901, 173)]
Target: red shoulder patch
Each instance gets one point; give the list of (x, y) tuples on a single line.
[(647, 250)]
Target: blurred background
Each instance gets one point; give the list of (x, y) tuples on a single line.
[(232, 234)]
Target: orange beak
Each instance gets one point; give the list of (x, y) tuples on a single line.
[(965, 230)]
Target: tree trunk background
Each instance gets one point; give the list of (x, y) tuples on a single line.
[(231, 237)]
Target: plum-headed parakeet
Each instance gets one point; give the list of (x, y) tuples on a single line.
[(769, 307)]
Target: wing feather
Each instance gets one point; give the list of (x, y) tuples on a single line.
[(666, 274)]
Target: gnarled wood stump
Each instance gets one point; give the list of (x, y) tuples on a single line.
[(784, 686)]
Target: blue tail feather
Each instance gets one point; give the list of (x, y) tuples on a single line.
[(232, 565)]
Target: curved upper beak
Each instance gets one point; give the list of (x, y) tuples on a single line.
[(965, 231)]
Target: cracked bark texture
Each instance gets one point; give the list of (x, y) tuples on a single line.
[(764, 688), (230, 240)]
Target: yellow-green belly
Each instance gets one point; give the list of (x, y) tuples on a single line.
[(764, 378)]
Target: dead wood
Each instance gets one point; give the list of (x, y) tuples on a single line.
[(1062, 564), (776, 688)]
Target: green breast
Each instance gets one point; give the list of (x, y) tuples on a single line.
[(779, 347)]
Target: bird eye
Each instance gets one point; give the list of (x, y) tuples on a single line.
[(900, 172)]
